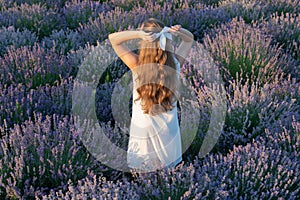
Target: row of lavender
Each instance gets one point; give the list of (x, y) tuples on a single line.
[(82, 21), (40, 150), (257, 169)]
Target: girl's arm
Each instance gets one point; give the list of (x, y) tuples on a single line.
[(126, 55), (186, 43)]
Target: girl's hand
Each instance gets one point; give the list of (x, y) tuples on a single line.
[(147, 36), (174, 29)]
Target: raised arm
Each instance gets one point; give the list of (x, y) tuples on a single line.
[(186, 44), (117, 40)]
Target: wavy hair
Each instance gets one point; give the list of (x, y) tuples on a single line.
[(156, 73)]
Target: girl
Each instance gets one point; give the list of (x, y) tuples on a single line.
[(154, 140)]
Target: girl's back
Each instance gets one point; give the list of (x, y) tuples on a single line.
[(154, 139)]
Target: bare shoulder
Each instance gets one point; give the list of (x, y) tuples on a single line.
[(130, 59)]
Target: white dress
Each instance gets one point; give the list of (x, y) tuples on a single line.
[(154, 141)]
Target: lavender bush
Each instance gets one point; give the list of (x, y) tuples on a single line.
[(251, 110), (247, 9), (18, 104), (63, 41), (105, 23), (251, 171), (131, 4), (207, 18), (95, 187), (4, 4), (48, 3), (254, 10), (41, 154), (285, 6), (16, 38), (79, 12), (36, 18), (32, 66), (244, 53), (285, 30)]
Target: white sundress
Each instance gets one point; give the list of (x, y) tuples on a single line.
[(154, 141)]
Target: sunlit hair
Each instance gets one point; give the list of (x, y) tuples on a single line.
[(157, 82)]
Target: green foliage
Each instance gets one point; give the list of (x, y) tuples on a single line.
[(43, 79), (244, 53)]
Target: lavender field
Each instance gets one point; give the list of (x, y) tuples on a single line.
[(254, 43)]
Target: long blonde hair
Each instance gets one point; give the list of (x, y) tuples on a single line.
[(156, 73)]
